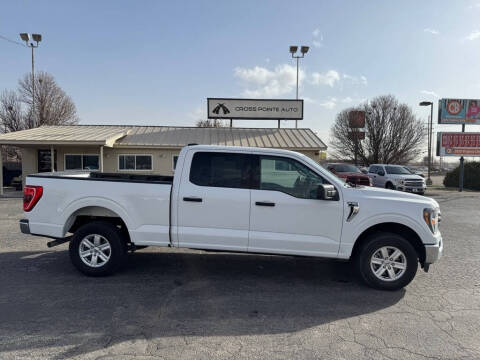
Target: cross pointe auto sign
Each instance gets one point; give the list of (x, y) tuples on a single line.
[(223, 108), (458, 144)]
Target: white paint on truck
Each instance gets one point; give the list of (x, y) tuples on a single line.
[(246, 200)]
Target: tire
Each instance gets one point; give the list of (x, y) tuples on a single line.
[(371, 257), (110, 251), (421, 193), (390, 186)]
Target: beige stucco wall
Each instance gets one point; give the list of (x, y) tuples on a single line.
[(162, 159)]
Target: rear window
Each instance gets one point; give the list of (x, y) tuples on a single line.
[(221, 170)]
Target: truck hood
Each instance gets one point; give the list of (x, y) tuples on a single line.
[(373, 193), (406, 176)]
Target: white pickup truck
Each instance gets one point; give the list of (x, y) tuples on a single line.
[(236, 199)]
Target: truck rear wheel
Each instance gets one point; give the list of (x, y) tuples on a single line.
[(387, 261), (98, 249)]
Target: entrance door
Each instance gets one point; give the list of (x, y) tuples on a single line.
[(286, 217), (214, 201), (44, 160)]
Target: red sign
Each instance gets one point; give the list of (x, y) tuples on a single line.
[(459, 144), (464, 140), (359, 135), (356, 119)]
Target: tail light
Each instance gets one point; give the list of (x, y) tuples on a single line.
[(31, 195)]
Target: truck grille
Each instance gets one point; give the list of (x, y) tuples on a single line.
[(413, 183), (358, 180)]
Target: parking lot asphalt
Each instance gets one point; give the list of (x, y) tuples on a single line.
[(185, 304)]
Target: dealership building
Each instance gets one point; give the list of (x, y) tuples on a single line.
[(140, 149)]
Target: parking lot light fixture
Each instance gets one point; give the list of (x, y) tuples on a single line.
[(293, 50), (430, 125), (37, 38)]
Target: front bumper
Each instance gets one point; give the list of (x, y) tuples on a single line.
[(420, 189), (24, 226), (433, 252)]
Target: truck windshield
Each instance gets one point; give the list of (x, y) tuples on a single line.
[(397, 170)]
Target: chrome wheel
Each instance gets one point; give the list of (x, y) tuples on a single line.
[(388, 263), (94, 250)]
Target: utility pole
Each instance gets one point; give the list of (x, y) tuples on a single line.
[(430, 126)]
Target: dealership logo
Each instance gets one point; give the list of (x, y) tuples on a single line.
[(222, 107)]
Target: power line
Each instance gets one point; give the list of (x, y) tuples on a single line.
[(12, 41)]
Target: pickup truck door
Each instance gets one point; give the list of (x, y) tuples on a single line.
[(286, 217), (214, 201)]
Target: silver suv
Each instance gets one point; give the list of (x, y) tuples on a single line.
[(396, 177)]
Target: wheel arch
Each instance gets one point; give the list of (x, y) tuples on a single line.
[(89, 210), (400, 229)]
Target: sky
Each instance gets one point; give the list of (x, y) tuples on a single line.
[(156, 62)]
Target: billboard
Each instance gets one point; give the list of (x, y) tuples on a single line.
[(459, 111), (224, 108), (458, 144)]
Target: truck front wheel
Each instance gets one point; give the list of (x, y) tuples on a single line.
[(386, 261), (98, 249)]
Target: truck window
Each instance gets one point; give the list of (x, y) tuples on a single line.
[(221, 169), (288, 176)]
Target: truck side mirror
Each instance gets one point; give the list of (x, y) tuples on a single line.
[(326, 192), (381, 173)]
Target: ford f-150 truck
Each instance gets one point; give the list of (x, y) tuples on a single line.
[(238, 199)]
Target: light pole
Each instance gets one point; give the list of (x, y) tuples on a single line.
[(430, 125), (303, 51), (37, 38)]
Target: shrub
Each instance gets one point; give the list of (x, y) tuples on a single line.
[(471, 178)]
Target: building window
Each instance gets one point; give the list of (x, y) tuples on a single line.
[(44, 161), (81, 162), (135, 162), (174, 161)]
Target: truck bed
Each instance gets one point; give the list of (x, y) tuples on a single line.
[(142, 202)]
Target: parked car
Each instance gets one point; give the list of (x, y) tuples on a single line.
[(247, 200), (350, 173), (396, 177)]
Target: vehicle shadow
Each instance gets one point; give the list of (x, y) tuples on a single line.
[(45, 302)]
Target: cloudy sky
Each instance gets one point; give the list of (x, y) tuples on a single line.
[(156, 62)]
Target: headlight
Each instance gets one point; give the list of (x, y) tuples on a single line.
[(431, 218), (399, 181)]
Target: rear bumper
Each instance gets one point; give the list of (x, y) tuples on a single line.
[(24, 226), (433, 252)]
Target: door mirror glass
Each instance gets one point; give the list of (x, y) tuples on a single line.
[(381, 173), (326, 192)]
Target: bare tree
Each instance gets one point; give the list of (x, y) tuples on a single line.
[(52, 105), (393, 133), (209, 123), (11, 113)]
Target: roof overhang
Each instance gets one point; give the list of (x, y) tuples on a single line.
[(52, 142)]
